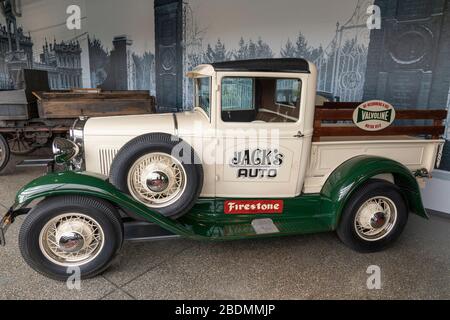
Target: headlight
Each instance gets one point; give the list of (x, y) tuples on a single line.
[(64, 150), (77, 131), (77, 137), (440, 153)]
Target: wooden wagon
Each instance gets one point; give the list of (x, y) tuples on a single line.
[(31, 117)]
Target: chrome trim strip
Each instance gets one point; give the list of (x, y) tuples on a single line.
[(153, 239)]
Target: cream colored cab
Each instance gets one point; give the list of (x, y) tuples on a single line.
[(264, 153)]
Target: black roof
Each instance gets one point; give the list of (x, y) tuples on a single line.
[(265, 65)]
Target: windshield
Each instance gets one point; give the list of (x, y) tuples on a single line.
[(202, 94)]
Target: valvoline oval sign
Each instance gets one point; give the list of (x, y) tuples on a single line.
[(374, 115)]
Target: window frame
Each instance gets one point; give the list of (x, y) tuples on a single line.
[(275, 77), (197, 96)]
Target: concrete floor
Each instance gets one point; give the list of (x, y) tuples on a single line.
[(303, 267)]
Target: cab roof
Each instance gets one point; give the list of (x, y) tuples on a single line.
[(291, 65), (265, 65)]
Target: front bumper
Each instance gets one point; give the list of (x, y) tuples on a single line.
[(8, 220)]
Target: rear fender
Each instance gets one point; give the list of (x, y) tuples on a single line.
[(348, 177), (84, 184)]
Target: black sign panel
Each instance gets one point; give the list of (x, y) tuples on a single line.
[(169, 68)]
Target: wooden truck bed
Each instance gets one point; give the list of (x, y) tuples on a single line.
[(334, 119), (413, 141), (326, 156)]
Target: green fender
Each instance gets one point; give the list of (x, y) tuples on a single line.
[(83, 184), (353, 173)]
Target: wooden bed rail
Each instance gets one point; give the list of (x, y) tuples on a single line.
[(343, 111)]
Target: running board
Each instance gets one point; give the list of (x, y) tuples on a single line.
[(144, 231), (38, 163)]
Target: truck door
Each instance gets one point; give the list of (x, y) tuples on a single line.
[(260, 135)]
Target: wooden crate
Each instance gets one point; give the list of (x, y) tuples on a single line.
[(20, 104), (93, 103), (15, 106)]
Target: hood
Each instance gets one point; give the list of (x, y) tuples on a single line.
[(130, 125), (186, 123)]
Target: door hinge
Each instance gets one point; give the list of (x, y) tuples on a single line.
[(299, 135)]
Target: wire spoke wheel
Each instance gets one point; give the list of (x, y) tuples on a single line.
[(71, 240), (157, 180), (375, 219)]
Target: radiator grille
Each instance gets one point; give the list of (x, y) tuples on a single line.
[(106, 157)]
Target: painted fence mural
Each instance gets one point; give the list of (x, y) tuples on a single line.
[(341, 61)]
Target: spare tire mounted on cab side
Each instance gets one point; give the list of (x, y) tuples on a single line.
[(151, 171)]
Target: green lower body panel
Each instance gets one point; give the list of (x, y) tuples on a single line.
[(300, 215), (210, 219), (229, 219)]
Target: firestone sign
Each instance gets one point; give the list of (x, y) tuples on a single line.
[(254, 207), (374, 115)]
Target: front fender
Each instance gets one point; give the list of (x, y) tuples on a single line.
[(84, 184), (353, 173)]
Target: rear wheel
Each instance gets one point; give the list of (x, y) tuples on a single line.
[(65, 234), (374, 217), (4, 153)]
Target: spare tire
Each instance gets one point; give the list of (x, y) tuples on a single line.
[(159, 171)]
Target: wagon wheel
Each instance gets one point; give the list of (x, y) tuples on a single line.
[(4, 153), (20, 145)]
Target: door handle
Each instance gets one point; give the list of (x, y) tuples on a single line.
[(299, 135)]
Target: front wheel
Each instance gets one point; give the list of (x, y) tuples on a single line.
[(374, 217), (65, 235)]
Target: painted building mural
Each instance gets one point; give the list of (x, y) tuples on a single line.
[(151, 44)]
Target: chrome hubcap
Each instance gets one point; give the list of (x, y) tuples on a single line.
[(375, 219), (378, 220), (71, 242), (157, 180), (71, 239)]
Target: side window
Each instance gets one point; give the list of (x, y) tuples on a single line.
[(238, 94), (203, 94), (287, 92), (271, 100)]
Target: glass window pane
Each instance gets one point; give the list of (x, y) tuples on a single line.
[(203, 93), (260, 99), (237, 94), (288, 92)]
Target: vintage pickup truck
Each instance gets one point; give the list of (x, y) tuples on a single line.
[(255, 158)]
